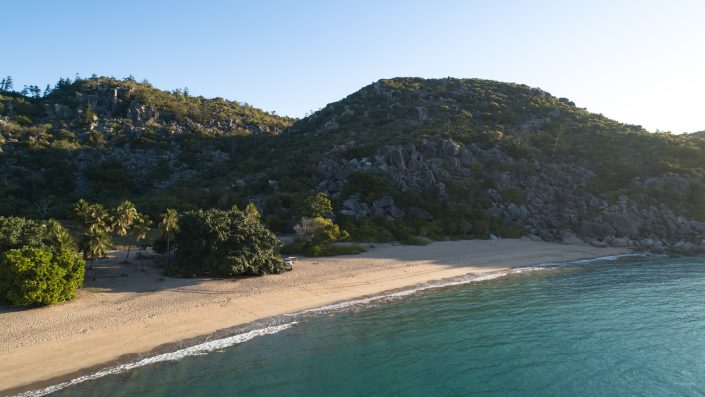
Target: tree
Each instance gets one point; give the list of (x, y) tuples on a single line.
[(96, 223), (224, 243), (95, 245), (319, 231), (99, 219), (169, 226), (59, 237), (125, 215), (82, 212), (35, 276), (92, 216), (32, 90), (318, 205), (6, 84), (47, 90), (16, 232), (251, 212), (140, 230)]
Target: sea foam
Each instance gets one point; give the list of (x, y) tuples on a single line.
[(467, 279), (195, 350)]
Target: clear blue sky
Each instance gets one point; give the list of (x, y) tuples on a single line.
[(639, 62)]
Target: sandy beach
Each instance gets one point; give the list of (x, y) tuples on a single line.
[(130, 312)]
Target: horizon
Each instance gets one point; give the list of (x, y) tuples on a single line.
[(635, 62)]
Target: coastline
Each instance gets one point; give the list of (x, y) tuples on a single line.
[(142, 314)]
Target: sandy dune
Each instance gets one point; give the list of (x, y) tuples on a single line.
[(127, 311)]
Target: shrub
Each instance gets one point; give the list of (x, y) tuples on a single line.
[(224, 243), (35, 276), (319, 231)]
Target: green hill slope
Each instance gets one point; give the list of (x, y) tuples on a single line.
[(401, 157)]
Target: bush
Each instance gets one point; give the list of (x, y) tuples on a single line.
[(224, 243), (35, 276), (319, 231)]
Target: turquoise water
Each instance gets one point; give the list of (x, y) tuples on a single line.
[(631, 326)]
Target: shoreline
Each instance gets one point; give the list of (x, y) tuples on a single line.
[(184, 312)]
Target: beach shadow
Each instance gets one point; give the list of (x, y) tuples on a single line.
[(11, 309), (481, 253), (142, 273)]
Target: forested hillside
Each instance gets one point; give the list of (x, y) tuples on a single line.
[(401, 158)]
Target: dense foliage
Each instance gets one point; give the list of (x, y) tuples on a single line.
[(224, 243), (37, 276), (107, 139), (16, 232), (110, 140)]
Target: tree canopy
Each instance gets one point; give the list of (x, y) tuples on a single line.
[(37, 276), (224, 243)]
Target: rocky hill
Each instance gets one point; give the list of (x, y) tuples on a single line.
[(103, 139), (402, 158)]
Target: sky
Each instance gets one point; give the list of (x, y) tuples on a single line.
[(639, 62)]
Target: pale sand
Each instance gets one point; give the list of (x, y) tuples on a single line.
[(136, 313)]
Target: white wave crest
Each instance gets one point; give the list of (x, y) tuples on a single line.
[(195, 350), (604, 258), (470, 278)]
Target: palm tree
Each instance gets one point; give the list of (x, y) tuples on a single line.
[(60, 237), (94, 245), (99, 219), (140, 230), (125, 215), (81, 211), (169, 226)]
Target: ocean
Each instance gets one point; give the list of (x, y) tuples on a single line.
[(619, 326)]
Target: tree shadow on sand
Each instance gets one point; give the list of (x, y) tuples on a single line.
[(142, 273)]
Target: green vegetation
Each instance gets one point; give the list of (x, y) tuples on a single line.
[(38, 265), (36, 276), (224, 243), (111, 140), (102, 122), (16, 232), (124, 217), (169, 226), (316, 234), (317, 206)]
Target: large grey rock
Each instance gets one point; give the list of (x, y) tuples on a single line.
[(621, 242), (395, 212), (396, 158), (352, 204), (646, 243), (383, 202), (547, 235), (450, 148), (568, 237), (534, 237), (624, 226)]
